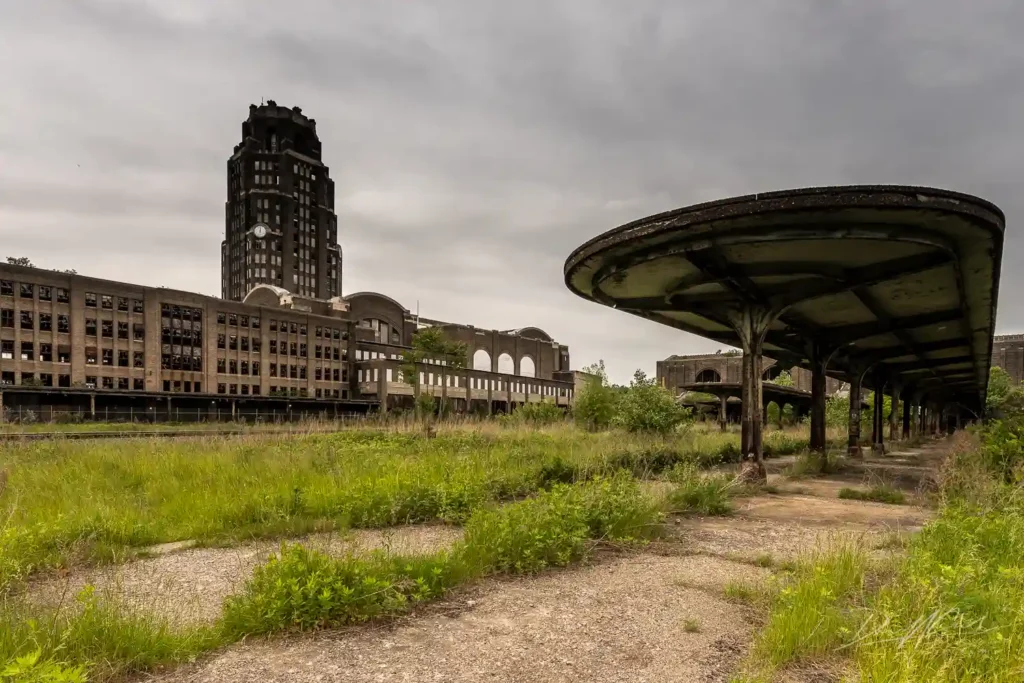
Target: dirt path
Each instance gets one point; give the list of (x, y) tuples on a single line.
[(654, 616)]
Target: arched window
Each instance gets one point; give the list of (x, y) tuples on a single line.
[(506, 365), (527, 367), (708, 375), (482, 360)]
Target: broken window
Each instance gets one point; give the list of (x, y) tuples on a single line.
[(7, 349), (27, 291), (107, 328), (64, 380), (255, 368), (138, 359), (222, 317), (232, 367), (6, 288), (90, 327), (243, 321), (255, 322), (139, 331), (108, 382), (45, 293), (26, 320), (336, 378), (122, 359), (222, 341), (108, 356), (302, 372), (137, 306), (6, 317), (293, 371), (293, 347), (318, 374), (63, 353), (244, 367), (232, 319), (28, 351), (255, 389), (233, 388), (6, 378), (46, 353), (222, 365), (302, 350), (256, 344), (318, 351), (273, 346), (244, 343), (122, 383), (233, 342), (122, 304), (273, 325), (273, 369), (122, 330), (63, 296), (106, 301), (45, 322), (63, 323), (222, 388), (293, 328)]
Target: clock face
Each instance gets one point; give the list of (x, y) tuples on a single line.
[(260, 231)]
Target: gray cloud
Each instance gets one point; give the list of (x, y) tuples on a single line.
[(475, 144)]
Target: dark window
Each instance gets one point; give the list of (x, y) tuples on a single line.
[(6, 288), (293, 327), (108, 382), (336, 354), (188, 386), (27, 291), (90, 327), (303, 392), (222, 388), (167, 385), (256, 322), (318, 374), (244, 343), (27, 351), (122, 383), (107, 328), (294, 347), (302, 350), (232, 319), (138, 359), (319, 332), (138, 384), (122, 330), (198, 387), (137, 306), (138, 331), (273, 346), (45, 322), (302, 330), (108, 356), (122, 360), (273, 369), (255, 389), (318, 351), (273, 325), (63, 323), (232, 367), (6, 349), (337, 333), (256, 367), (221, 341), (64, 380), (122, 305), (46, 379), (45, 293), (233, 342), (63, 296), (90, 355), (243, 321), (46, 353), (6, 317), (6, 378), (233, 389), (90, 381), (26, 320), (107, 301), (245, 389), (221, 317), (336, 377), (222, 365), (28, 378), (244, 369), (63, 354), (256, 344)]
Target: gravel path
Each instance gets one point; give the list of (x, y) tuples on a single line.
[(189, 586)]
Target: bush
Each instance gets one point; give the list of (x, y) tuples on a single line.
[(594, 405), (697, 493), (536, 414), (648, 407)]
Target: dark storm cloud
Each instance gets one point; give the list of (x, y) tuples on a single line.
[(475, 144)]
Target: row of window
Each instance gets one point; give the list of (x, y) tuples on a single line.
[(234, 367), (28, 352), (27, 290), (240, 320), (28, 320), (246, 389), (106, 301), (45, 379)]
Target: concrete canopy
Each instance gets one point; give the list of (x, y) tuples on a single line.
[(901, 280)]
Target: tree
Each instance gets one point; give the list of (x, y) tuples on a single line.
[(648, 407), (1003, 398), (784, 379), (431, 344), (20, 261), (594, 405)]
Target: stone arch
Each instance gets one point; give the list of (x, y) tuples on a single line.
[(482, 360), (708, 375), (527, 367), (506, 365)]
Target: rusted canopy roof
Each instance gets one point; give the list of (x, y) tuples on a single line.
[(904, 279)]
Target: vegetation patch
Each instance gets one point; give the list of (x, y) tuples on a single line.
[(876, 494), (697, 493)]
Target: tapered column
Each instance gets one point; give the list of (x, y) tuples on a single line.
[(878, 417), (853, 425), (751, 324), (894, 431), (819, 361)]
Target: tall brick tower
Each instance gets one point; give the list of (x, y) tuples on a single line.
[(280, 227)]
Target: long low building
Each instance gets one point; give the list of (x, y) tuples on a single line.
[(71, 342)]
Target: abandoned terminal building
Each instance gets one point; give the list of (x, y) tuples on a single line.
[(282, 339)]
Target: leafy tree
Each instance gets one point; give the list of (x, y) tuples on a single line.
[(20, 261), (1004, 399), (784, 379), (594, 406), (648, 407), (431, 344)]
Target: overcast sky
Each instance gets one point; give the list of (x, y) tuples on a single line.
[(474, 143)]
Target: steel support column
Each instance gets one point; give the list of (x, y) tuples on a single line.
[(894, 431), (907, 408), (853, 448)]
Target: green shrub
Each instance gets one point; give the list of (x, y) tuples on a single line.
[(647, 407), (594, 404), (616, 509), (304, 589), (536, 414), (698, 493), (30, 668)]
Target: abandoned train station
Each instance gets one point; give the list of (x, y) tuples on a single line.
[(887, 288)]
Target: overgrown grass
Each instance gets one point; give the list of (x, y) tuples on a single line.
[(878, 494), (703, 494)]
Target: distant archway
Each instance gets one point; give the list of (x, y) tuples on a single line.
[(506, 365), (708, 375), (527, 368), (482, 360)]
